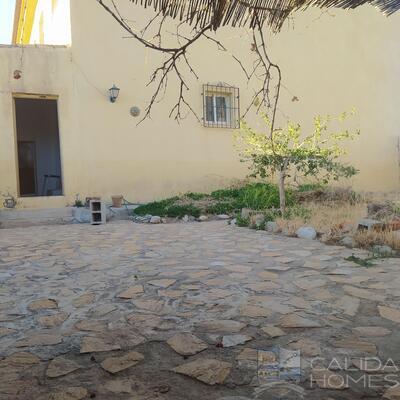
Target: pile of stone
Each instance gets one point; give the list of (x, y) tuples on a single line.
[(155, 219), (258, 220), (148, 219)]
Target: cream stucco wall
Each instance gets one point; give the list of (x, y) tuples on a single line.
[(331, 62)]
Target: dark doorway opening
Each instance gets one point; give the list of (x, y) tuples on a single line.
[(38, 145)]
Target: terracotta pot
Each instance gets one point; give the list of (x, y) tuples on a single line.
[(117, 201)]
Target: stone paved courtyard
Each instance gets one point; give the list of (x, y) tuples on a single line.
[(178, 311)]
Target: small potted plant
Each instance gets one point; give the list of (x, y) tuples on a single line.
[(117, 200), (9, 201)]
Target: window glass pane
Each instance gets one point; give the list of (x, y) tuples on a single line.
[(220, 104), (209, 109)]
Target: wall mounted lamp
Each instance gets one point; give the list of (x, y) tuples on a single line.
[(114, 92)]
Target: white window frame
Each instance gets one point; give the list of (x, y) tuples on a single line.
[(228, 105)]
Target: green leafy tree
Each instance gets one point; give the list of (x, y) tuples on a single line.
[(283, 151)]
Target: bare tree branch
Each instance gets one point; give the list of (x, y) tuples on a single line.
[(177, 63)]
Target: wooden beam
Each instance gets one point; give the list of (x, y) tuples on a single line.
[(17, 16)]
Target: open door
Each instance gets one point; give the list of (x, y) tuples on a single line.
[(38, 146)]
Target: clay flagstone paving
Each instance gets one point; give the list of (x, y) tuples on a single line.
[(182, 311)]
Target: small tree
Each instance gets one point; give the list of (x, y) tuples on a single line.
[(283, 151)]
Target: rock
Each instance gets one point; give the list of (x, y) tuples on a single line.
[(83, 300), (348, 304), (203, 218), (356, 345), (238, 268), (273, 331), (393, 393), (368, 224), (118, 386), (103, 310), (307, 283), (39, 339), (72, 393), (383, 251), (363, 293), (234, 340), (155, 306), (223, 216), (262, 286), (162, 283), (220, 326), (131, 292), (306, 232), (6, 331), (117, 364), (296, 321), (393, 314), (257, 220), (254, 311), (372, 331), (42, 304), (209, 371), (186, 344), (141, 219), (233, 221), (21, 359), (93, 344), (155, 219), (308, 347), (61, 366), (50, 321), (268, 275), (272, 226), (347, 241), (326, 379), (285, 260), (90, 326)]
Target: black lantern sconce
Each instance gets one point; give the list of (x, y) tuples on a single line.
[(114, 92)]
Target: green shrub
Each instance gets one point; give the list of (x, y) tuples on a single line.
[(299, 212), (168, 208), (222, 207), (240, 221), (182, 210), (156, 207), (223, 194), (272, 214), (196, 196), (257, 196), (260, 196)]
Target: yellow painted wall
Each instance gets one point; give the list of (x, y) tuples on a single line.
[(331, 62)]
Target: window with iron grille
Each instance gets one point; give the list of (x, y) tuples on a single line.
[(221, 106)]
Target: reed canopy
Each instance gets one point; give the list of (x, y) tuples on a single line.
[(251, 13)]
